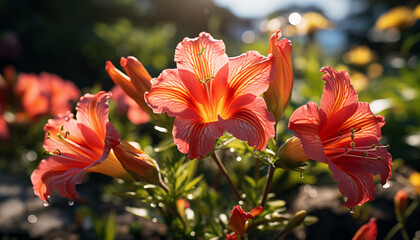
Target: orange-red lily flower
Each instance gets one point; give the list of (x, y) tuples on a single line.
[(239, 218), (136, 83), (345, 134), (45, 94), (369, 231), (76, 146), (126, 105), (210, 93), (89, 143), (279, 92)]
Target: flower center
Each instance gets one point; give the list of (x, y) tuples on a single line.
[(63, 138), (209, 112)]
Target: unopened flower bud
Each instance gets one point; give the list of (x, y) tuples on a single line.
[(368, 231), (135, 84), (290, 155), (400, 203), (279, 92), (140, 165)]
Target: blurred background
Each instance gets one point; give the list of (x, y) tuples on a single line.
[(376, 41)]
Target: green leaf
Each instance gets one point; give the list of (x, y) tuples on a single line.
[(164, 145), (192, 183), (272, 144), (110, 232), (250, 181)]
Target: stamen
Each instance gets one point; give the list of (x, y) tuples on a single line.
[(345, 148), (372, 146), (352, 133), (378, 157), (366, 154), (67, 133), (72, 145), (352, 144), (201, 52), (62, 128), (339, 132), (206, 81), (57, 152)]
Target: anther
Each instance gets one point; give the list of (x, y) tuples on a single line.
[(352, 145), (339, 132), (388, 146), (57, 151), (366, 154), (352, 133), (345, 148), (379, 157), (46, 152), (201, 52), (67, 133), (62, 128)]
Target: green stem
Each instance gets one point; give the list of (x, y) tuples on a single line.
[(393, 231), (267, 184), (281, 235), (270, 173), (163, 184), (225, 172), (411, 208)]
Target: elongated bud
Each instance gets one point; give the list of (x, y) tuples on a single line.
[(140, 165), (400, 203), (279, 92), (297, 219), (290, 155), (135, 84)]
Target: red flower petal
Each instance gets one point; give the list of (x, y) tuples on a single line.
[(169, 94), (195, 138), (252, 123), (338, 91), (202, 58)]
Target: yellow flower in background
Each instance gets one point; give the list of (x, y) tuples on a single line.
[(359, 80), (415, 181), (312, 22), (359, 55), (417, 11), (398, 17)]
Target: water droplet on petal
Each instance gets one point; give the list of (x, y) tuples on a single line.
[(71, 202), (387, 184), (46, 203), (351, 210)]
